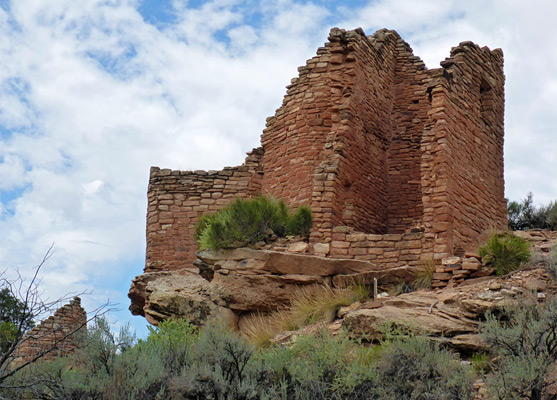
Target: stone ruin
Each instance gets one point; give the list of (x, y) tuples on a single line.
[(401, 165), (53, 333)]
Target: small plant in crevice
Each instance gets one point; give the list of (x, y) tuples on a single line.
[(481, 362), (423, 276), (505, 252), (400, 287), (246, 222)]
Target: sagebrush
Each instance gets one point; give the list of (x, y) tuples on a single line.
[(177, 361), (523, 339)]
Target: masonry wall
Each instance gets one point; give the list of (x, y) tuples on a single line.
[(376, 144), (176, 200), (405, 153), (52, 331), (362, 187), (474, 111)]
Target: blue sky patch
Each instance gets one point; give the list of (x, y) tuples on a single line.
[(157, 12), (6, 133), (7, 198), (115, 65)]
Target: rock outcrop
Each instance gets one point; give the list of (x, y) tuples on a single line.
[(450, 315), (244, 280)]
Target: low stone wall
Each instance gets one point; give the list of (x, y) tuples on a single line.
[(56, 328), (388, 250), (177, 199), (455, 270)]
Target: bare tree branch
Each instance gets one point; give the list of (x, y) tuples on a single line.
[(32, 306)]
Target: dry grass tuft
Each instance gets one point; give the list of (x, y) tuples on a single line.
[(309, 305), (423, 276)]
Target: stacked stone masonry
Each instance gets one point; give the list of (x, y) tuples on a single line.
[(400, 164), (56, 335)]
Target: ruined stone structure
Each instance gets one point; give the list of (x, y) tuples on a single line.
[(400, 164), (52, 332)]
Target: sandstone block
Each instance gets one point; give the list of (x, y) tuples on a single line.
[(321, 248), (298, 247)]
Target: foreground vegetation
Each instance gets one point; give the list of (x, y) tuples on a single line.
[(505, 252), (178, 361)]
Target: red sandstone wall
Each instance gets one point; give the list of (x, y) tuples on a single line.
[(297, 140), (376, 144), (404, 200), (176, 200), (471, 119), (43, 336), (388, 251), (362, 187)]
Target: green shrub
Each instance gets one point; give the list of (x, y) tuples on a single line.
[(172, 340), (246, 222), (300, 223), (525, 215), (320, 366), (524, 339), (220, 368), (419, 369), (552, 216), (505, 252)]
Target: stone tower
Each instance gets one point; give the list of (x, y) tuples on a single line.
[(400, 164)]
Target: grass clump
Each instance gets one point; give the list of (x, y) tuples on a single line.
[(246, 222), (308, 306), (423, 276), (505, 252)]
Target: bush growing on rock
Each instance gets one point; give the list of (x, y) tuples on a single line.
[(505, 252), (246, 222)]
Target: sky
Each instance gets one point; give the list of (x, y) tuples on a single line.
[(94, 92)]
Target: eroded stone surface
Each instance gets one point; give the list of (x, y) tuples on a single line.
[(245, 280), (451, 315)]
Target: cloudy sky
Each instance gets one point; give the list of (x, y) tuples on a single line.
[(94, 92)]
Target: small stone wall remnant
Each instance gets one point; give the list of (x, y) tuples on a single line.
[(55, 328)]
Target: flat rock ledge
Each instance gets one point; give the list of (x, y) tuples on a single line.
[(235, 282)]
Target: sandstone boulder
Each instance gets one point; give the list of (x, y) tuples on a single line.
[(451, 315)]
